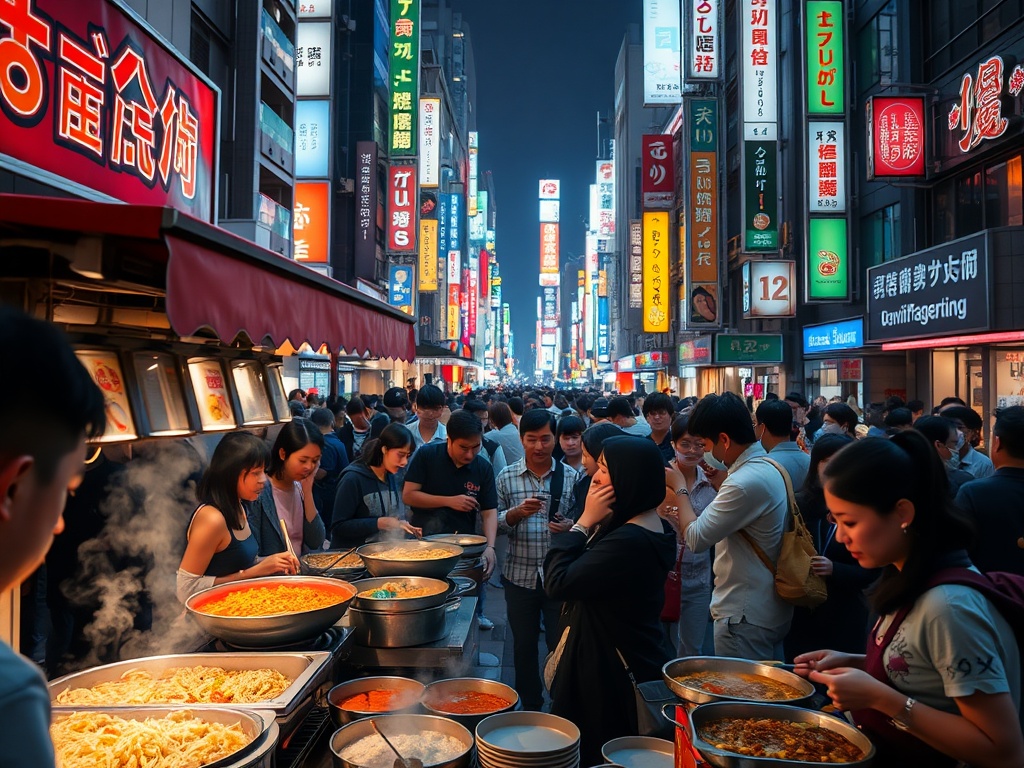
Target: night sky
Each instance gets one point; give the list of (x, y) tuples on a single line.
[(544, 68)]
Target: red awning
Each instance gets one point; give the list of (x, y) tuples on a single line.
[(220, 281)]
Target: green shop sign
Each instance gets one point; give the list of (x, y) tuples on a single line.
[(734, 348), (760, 197), (828, 260), (404, 74), (825, 75)]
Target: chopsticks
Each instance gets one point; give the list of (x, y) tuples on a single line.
[(287, 540)]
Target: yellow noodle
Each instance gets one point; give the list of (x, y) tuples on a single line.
[(400, 553), (181, 685), (270, 601), (177, 740)]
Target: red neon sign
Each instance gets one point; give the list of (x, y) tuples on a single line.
[(402, 203), (979, 113), (897, 136)]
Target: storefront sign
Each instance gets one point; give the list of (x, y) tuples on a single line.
[(313, 59), (105, 369), (465, 299), (696, 351), (90, 95), (768, 289), (602, 330), (366, 206), (549, 296), (636, 264), (826, 162), (605, 198), (977, 115), (549, 189), (549, 211), (548, 248), (430, 142), (402, 203), (453, 311), (473, 295), (825, 66), (474, 168), (851, 369), (404, 78), (657, 278), (662, 82), (830, 337), (428, 255), (315, 9), (759, 68), (400, 287), (311, 221), (212, 397), (658, 170), (935, 292), (703, 40), (828, 260), (312, 138), (758, 348), (645, 361), (896, 136), (701, 231), (760, 197)]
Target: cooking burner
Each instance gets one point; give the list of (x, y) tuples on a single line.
[(331, 639)]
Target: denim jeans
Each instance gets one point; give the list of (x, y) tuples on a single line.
[(693, 610), (525, 607)]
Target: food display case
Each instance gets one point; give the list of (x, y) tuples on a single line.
[(250, 384), (160, 385), (105, 368), (212, 395)]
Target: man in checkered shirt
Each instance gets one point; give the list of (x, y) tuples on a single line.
[(535, 495)]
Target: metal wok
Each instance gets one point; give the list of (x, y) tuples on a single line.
[(724, 664), (473, 544), (263, 631), (448, 589), (437, 568), (723, 759)]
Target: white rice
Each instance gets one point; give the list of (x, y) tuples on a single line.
[(429, 746)]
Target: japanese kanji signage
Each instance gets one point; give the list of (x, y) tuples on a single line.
[(320, 9), (453, 311), (402, 202), (657, 277), (474, 169), (400, 282), (548, 248), (404, 77), (896, 136), (366, 206), (760, 197), (759, 68), (662, 82), (769, 289), (825, 69), (851, 369), (605, 198), (828, 260), (756, 348), (313, 59), (701, 259), (934, 292), (550, 307), (92, 96), (430, 142), (428, 255), (312, 138), (658, 169), (703, 40), (977, 115), (826, 163), (636, 264), (311, 222)]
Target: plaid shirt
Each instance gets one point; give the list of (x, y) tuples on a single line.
[(528, 541)]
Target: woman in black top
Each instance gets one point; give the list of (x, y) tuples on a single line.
[(611, 569)]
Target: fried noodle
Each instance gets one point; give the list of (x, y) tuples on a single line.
[(401, 553), (270, 601), (181, 685)]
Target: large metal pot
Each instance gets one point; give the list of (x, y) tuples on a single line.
[(725, 664), (437, 693), (408, 725), (437, 568), (722, 759), (473, 545), (263, 631), (400, 604), (400, 630), (343, 716)]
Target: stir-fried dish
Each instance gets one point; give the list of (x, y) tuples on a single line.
[(403, 553), (402, 589), (270, 601), (181, 685), (330, 560), (779, 739), (740, 685)]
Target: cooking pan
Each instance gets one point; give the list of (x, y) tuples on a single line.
[(407, 725), (341, 716), (438, 568), (263, 631), (448, 589), (353, 564), (473, 544), (725, 664), (722, 759)]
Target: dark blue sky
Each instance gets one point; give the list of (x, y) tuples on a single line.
[(545, 68)]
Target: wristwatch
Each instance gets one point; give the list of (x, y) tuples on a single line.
[(580, 529), (902, 720)]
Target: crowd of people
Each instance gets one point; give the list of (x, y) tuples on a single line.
[(600, 503)]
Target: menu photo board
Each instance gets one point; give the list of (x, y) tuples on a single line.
[(252, 393), (212, 397), (105, 369), (278, 396), (160, 382)]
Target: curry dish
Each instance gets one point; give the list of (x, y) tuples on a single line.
[(400, 589), (779, 739), (740, 685), (401, 553)]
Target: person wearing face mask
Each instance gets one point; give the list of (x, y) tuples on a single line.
[(773, 421), (947, 441), (839, 419), (968, 422)]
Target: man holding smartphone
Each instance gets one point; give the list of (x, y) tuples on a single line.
[(535, 495)]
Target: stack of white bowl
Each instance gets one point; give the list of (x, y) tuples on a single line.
[(527, 740)]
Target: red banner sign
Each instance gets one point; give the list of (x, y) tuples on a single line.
[(90, 95), (658, 166), (402, 202), (896, 126)]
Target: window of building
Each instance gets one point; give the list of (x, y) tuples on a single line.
[(880, 236), (955, 28), (979, 199), (877, 45), (1003, 194)]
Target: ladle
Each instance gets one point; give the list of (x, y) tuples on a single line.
[(401, 762)]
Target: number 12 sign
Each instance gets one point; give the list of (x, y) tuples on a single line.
[(768, 289)]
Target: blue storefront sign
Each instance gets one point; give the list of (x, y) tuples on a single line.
[(400, 284), (831, 337)]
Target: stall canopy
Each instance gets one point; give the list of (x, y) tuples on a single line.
[(217, 280)]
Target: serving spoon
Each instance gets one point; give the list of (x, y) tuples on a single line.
[(401, 762)]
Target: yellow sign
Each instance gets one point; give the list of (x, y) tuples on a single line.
[(453, 311), (428, 254), (602, 283), (657, 278)]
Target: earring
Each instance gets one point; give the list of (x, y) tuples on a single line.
[(905, 527)]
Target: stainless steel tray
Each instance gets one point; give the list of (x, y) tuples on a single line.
[(727, 664)]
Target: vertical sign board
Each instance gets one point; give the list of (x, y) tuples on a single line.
[(89, 93), (656, 272), (428, 255), (313, 53), (760, 197), (312, 138), (602, 330), (759, 77), (658, 170), (662, 55), (896, 136), (311, 222), (454, 234), (402, 203), (465, 298), (548, 250), (826, 164), (400, 292), (430, 142), (825, 51), (366, 207), (605, 198), (828, 263), (702, 267), (474, 167), (636, 264), (404, 69), (703, 40)]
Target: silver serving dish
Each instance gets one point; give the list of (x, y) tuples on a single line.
[(437, 692), (722, 759), (473, 545), (263, 631), (412, 725), (339, 693), (257, 726), (438, 568), (636, 751), (400, 604), (375, 629), (305, 670), (690, 664), (333, 571)]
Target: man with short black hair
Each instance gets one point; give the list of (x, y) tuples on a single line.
[(355, 432), (874, 417), (518, 407), (773, 427), (505, 433), (968, 422), (492, 451), (396, 404), (427, 426), (658, 410), (916, 408), (621, 414)]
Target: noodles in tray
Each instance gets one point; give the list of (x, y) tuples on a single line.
[(181, 685), (178, 740), (401, 553), (270, 601)]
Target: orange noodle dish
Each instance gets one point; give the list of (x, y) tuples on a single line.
[(181, 685), (270, 601), (177, 740)]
